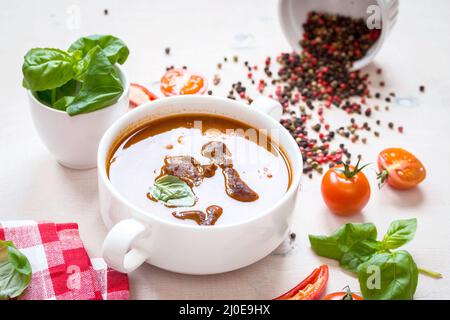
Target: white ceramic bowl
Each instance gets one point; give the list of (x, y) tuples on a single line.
[(73, 141), (292, 15), (137, 236)]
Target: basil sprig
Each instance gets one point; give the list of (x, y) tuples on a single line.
[(382, 273), (80, 80), (15, 271), (173, 192)]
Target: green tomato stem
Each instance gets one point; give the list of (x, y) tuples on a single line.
[(432, 274)]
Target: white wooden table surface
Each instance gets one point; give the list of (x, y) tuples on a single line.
[(201, 33)]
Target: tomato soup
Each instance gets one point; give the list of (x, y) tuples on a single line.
[(199, 169)]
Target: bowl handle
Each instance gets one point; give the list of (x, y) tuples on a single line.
[(269, 106), (118, 250)]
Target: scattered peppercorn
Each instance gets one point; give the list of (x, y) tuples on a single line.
[(422, 88), (216, 79), (319, 78), (167, 50)]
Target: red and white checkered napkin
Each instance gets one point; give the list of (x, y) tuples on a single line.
[(62, 269)]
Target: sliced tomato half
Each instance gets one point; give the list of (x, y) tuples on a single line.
[(182, 81), (140, 94)]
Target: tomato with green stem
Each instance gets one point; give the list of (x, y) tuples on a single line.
[(346, 294), (311, 288), (400, 169), (345, 189)]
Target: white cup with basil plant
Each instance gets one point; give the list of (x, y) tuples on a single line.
[(75, 95)]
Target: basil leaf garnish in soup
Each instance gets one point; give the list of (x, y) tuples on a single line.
[(15, 271), (173, 192)]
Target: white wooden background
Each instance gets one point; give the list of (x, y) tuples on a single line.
[(200, 33)]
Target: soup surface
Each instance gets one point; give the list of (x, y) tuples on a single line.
[(234, 170)]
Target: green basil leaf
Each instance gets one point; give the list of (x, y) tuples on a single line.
[(336, 245), (388, 276), (359, 253), (400, 232), (47, 68), (173, 192), (63, 103), (53, 98), (83, 63), (15, 271), (114, 48), (101, 86)]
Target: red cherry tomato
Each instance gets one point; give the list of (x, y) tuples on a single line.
[(182, 81), (343, 295), (140, 94), (345, 189), (400, 169)]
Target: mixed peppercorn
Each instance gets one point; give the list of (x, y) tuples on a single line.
[(310, 84), (316, 80)]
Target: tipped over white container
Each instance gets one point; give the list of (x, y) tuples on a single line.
[(293, 13)]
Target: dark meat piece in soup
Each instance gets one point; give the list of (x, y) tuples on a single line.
[(203, 219), (187, 169)]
